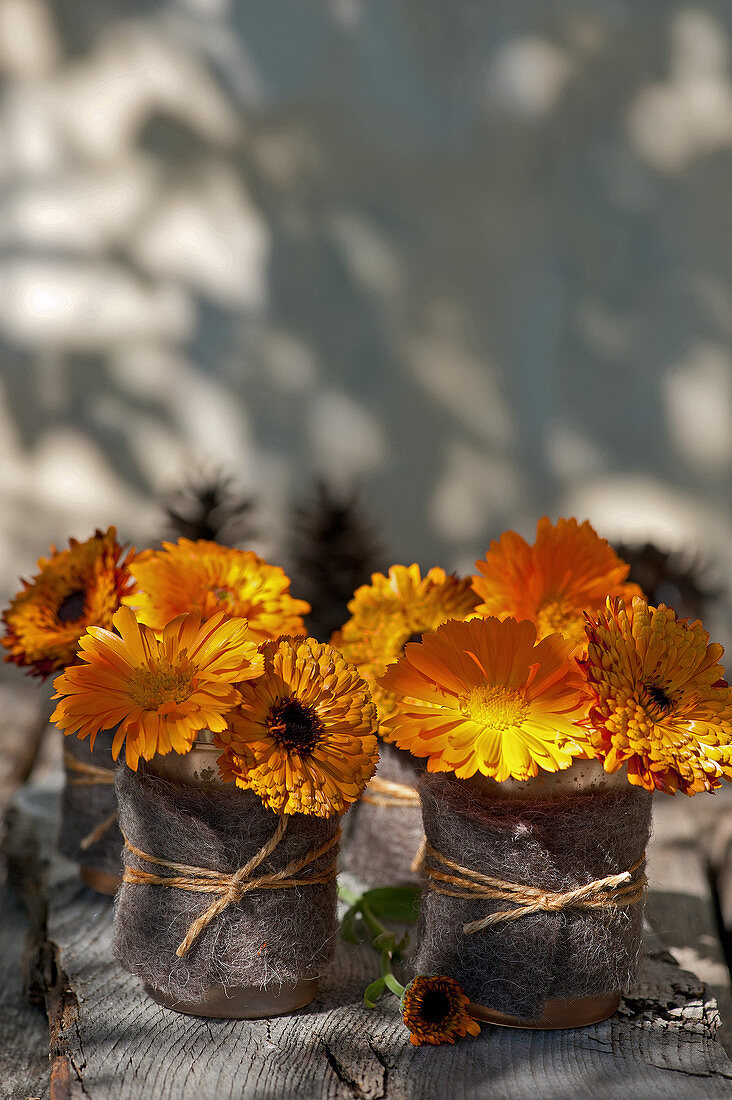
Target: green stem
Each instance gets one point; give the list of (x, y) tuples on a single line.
[(374, 925), (382, 940), (396, 987), (347, 895)]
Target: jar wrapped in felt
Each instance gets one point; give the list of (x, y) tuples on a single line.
[(226, 909), (384, 840), (89, 834), (536, 892)]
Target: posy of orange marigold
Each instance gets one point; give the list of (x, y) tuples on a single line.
[(435, 1010), (486, 696), (75, 588), (303, 736), (661, 703), (393, 610), (568, 570), (159, 691), (205, 577)]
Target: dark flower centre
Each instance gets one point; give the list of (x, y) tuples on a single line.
[(71, 607), (658, 697), (295, 726), (435, 1006)]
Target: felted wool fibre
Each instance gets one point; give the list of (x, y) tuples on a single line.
[(553, 843), (382, 840), (85, 806), (267, 939)]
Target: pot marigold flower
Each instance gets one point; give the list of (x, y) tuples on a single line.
[(206, 577), (661, 702), (303, 737), (485, 696), (435, 1010), (74, 588), (393, 610), (159, 691), (568, 570)]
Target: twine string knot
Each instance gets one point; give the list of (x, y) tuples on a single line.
[(231, 887), (616, 891)]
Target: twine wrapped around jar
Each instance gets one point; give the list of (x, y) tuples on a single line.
[(220, 894), (534, 901)]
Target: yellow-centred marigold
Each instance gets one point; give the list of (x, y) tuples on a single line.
[(394, 610), (661, 702), (158, 691), (205, 577), (436, 1010), (303, 736), (568, 570), (485, 696), (74, 588)]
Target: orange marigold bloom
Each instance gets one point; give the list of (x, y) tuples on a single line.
[(436, 1010), (303, 736), (568, 570), (485, 696), (206, 577), (394, 610), (75, 588), (159, 691), (660, 699)]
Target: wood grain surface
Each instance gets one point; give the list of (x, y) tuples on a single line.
[(109, 1041)]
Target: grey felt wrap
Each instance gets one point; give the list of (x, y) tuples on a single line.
[(267, 939), (554, 843), (85, 806), (382, 841)]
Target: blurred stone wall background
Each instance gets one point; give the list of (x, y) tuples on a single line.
[(473, 256)]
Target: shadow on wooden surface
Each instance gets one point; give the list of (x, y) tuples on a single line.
[(108, 1040)]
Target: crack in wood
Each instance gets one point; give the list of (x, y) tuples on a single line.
[(385, 1065), (46, 983), (357, 1089)]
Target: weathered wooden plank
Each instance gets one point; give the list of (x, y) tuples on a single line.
[(680, 906), (23, 719), (24, 1029), (110, 1039), (24, 1066)]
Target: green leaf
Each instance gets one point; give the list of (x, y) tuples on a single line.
[(396, 903), (373, 992), (348, 925)]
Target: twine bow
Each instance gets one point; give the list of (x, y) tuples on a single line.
[(230, 887), (612, 892), (90, 775)]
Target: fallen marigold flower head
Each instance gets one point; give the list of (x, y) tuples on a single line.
[(208, 578), (485, 696), (160, 692), (75, 588), (436, 1010), (303, 737), (568, 570), (660, 700), (393, 610)]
